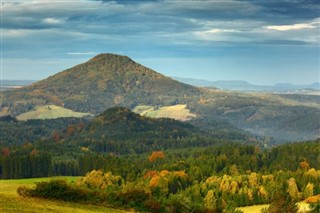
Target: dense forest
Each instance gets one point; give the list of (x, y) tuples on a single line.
[(206, 179), (157, 165)]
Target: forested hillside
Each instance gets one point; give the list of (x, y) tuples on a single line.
[(189, 180), (105, 81), (109, 80), (131, 161)]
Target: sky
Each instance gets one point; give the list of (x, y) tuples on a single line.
[(262, 41)]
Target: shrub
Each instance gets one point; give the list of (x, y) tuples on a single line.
[(135, 198), (56, 189)]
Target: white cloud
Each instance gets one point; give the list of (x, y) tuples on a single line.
[(11, 33), (52, 21), (290, 27)]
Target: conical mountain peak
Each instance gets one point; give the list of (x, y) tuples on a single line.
[(104, 57), (105, 81)]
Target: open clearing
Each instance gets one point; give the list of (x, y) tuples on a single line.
[(303, 208), (178, 112), (10, 201), (50, 112)]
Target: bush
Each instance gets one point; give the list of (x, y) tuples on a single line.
[(134, 198), (23, 191), (56, 189)]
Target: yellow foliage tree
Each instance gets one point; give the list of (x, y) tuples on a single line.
[(210, 201), (304, 165), (234, 187), (96, 179), (263, 192), (253, 179), (293, 189), (308, 191)]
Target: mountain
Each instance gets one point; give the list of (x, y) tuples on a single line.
[(109, 80), (245, 86), (105, 81)]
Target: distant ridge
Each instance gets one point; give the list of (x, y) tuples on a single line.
[(245, 86)]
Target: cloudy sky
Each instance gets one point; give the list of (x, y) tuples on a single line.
[(261, 41)]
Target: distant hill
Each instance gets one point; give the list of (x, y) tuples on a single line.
[(121, 131), (109, 80), (245, 86), (16, 82), (13, 84)]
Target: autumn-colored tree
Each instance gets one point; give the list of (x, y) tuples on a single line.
[(70, 130), (233, 170), (5, 152), (156, 155), (308, 191), (210, 201), (293, 189), (34, 152), (150, 174), (96, 179), (253, 179), (281, 202), (81, 126), (262, 192), (56, 136), (304, 165)]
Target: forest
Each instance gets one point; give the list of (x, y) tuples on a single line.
[(157, 165)]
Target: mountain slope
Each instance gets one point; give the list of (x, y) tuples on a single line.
[(105, 81), (109, 80)]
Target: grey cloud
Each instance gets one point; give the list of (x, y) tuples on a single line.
[(129, 25)]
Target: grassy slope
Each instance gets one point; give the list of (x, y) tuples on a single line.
[(178, 112), (50, 112), (303, 207), (10, 201)]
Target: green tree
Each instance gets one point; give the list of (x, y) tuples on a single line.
[(281, 202)]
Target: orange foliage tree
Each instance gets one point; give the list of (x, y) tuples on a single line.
[(5, 151), (156, 155)]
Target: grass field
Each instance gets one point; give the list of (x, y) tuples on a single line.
[(50, 112), (253, 209), (11, 202), (303, 208), (178, 112)]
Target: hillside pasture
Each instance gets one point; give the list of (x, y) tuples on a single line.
[(50, 112), (303, 208), (178, 112)]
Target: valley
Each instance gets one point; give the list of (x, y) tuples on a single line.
[(135, 140)]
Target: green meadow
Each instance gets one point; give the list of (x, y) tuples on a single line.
[(50, 112)]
